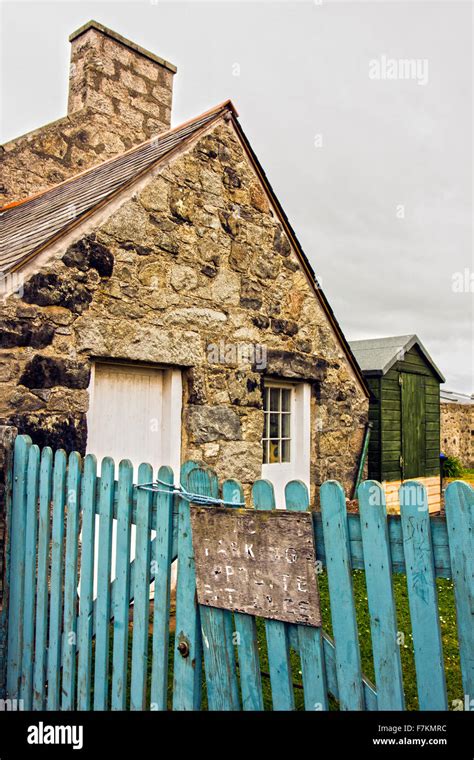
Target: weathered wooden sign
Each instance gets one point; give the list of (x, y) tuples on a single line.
[(259, 562)]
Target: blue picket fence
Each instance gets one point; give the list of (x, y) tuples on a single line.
[(68, 642)]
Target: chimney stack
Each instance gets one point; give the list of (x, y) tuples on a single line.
[(113, 76), (119, 96)]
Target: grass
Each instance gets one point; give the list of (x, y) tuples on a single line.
[(467, 475), (448, 629)]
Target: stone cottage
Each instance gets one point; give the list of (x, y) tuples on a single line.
[(156, 303)]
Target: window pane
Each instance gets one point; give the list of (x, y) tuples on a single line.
[(274, 451), (285, 425), (274, 432), (266, 418), (265, 398), (285, 451), (274, 399), (278, 427)]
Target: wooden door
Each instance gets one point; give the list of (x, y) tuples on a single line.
[(135, 413), (413, 425)]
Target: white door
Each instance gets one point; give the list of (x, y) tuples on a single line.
[(134, 413), (286, 435)]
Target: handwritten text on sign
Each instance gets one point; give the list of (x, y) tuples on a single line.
[(261, 563)]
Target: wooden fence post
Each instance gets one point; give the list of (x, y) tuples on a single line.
[(460, 520), (7, 441), (17, 569), (343, 610), (423, 597), (279, 663), (383, 614)]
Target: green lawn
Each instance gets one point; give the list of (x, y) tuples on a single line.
[(448, 627), (467, 475)]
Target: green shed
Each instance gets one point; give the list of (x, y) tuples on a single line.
[(404, 411)]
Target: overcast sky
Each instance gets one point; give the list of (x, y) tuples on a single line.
[(375, 174)]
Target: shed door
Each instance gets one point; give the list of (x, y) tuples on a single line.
[(413, 425)]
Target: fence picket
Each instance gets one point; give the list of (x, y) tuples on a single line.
[(55, 605), (246, 629), (17, 569), (88, 499), (187, 674), (383, 616), (142, 592), (70, 583), (460, 520), (310, 640), (102, 611), (162, 555), (422, 597), (281, 679), (343, 613), (216, 626), (42, 596), (30, 577), (122, 586)]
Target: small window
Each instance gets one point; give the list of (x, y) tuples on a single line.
[(277, 425)]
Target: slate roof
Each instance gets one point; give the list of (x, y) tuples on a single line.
[(378, 355), (28, 225)]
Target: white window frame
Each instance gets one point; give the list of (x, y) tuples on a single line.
[(299, 466)]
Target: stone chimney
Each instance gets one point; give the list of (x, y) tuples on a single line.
[(119, 95), (116, 77)]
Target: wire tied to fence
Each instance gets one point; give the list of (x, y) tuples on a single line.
[(195, 498)]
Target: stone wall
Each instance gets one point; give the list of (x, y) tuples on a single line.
[(119, 95), (195, 260), (457, 432)]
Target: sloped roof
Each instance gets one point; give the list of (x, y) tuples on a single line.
[(28, 225), (378, 355)]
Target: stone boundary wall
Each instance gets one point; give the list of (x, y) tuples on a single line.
[(457, 432)]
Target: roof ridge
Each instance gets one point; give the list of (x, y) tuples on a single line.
[(225, 105), (383, 337)]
